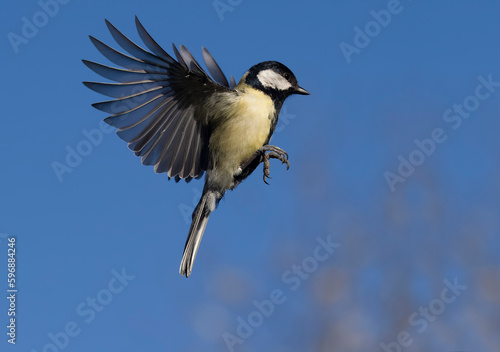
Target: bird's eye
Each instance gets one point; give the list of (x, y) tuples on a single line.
[(287, 76)]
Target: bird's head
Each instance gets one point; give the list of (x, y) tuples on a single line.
[(274, 79)]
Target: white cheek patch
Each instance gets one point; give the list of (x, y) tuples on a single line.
[(271, 79)]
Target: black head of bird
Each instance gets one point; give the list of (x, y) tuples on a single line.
[(274, 79), (177, 117)]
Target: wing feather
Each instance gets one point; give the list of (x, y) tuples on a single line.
[(131, 102), (181, 148), (131, 133), (179, 57), (190, 61), (151, 130), (233, 83), (123, 60), (214, 68), (158, 103), (151, 43), (119, 90), (172, 140), (133, 116), (190, 145), (157, 150), (121, 75), (133, 48)]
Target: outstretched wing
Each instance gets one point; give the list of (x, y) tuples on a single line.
[(158, 104)]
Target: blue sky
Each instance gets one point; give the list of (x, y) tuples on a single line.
[(113, 225)]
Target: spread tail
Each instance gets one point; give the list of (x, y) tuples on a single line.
[(198, 225)]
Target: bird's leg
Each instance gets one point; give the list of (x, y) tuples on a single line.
[(274, 153), (260, 154)]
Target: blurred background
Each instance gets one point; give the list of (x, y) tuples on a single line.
[(414, 224)]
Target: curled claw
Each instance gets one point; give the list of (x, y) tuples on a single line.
[(284, 159), (273, 152), (267, 170), (267, 183)]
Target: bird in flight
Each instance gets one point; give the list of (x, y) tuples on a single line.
[(187, 123)]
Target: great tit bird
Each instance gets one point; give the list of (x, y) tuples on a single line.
[(186, 123)]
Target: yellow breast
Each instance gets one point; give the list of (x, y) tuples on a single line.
[(245, 129)]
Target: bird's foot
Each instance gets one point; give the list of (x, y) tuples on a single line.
[(273, 153)]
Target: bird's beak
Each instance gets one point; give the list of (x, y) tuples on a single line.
[(302, 91)]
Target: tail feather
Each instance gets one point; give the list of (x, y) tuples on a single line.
[(198, 225)]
